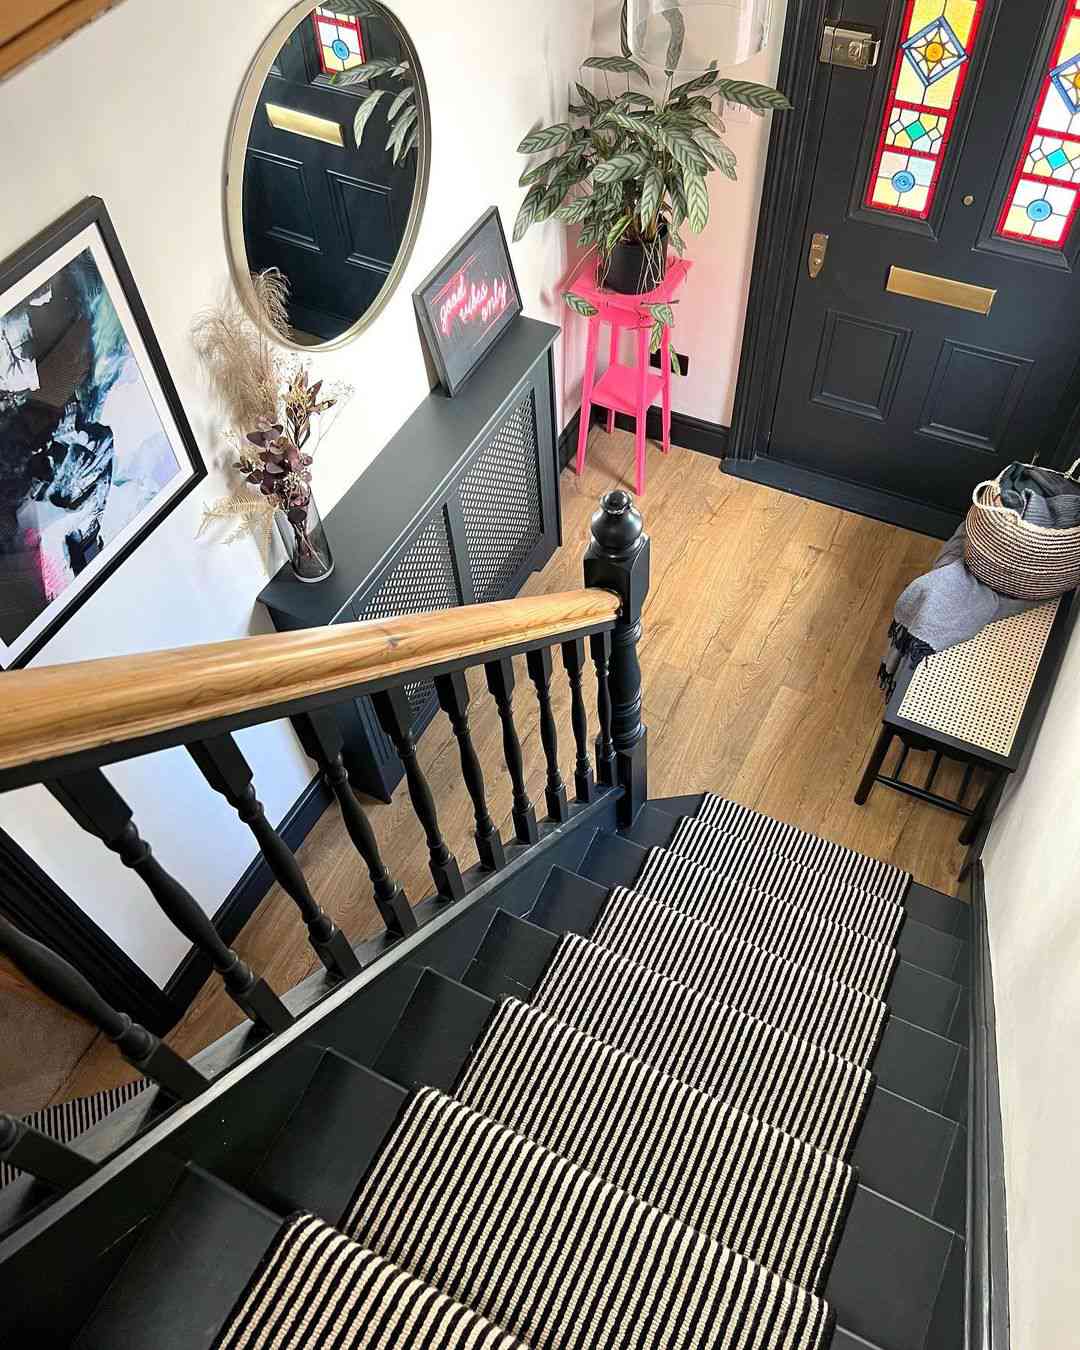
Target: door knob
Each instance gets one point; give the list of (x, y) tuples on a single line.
[(819, 247)]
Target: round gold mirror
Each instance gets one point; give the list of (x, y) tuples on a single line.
[(328, 167)]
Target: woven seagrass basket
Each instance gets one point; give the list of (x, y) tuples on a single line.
[(1017, 558)]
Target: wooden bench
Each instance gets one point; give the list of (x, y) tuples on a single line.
[(977, 703)]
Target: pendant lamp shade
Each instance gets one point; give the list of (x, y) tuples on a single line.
[(690, 36)]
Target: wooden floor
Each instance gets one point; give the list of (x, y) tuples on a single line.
[(762, 637)]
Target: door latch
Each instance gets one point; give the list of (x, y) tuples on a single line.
[(819, 247), (851, 47)]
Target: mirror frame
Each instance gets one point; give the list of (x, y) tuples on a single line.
[(236, 153)]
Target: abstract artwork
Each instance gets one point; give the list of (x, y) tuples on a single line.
[(94, 446), (928, 80), (1041, 203), (468, 301)]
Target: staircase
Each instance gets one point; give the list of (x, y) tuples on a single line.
[(661, 1073)]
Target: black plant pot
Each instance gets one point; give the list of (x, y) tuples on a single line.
[(635, 268)]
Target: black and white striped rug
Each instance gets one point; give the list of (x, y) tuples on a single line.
[(805, 936), (831, 896), (822, 855), (67, 1120), (817, 1096), (796, 999), (735, 1179), (556, 1256), (317, 1290)]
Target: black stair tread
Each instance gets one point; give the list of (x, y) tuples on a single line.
[(571, 904), (939, 911), (436, 1033), (678, 806), (906, 1152), (930, 948), (653, 828), (181, 1282), (888, 1272), (847, 1340), (921, 1066), (329, 1140), (951, 1206), (612, 860)]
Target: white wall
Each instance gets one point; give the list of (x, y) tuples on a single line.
[(136, 109), (710, 316), (1032, 864)]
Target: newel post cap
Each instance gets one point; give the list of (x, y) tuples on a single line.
[(618, 555)]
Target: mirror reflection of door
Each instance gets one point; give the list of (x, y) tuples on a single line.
[(328, 212), (968, 171)]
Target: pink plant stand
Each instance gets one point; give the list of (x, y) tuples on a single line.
[(628, 389)]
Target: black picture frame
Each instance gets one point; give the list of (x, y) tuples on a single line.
[(86, 251), (456, 359)]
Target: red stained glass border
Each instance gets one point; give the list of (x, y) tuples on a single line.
[(339, 21), (949, 114), (1072, 11)]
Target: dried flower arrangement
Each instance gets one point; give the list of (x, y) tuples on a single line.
[(274, 409)]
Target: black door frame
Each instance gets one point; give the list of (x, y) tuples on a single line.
[(778, 258)]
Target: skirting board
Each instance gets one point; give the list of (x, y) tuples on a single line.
[(246, 896), (707, 438), (987, 1236)]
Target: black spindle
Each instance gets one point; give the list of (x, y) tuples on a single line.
[(63, 983), (453, 695), (31, 1151), (500, 682), (618, 560), (321, 738), (92, 802), (600, 646), (395, 715), (539, 665), (574, 662), (224, 767)]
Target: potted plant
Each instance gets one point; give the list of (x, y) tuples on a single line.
[(632, 169)]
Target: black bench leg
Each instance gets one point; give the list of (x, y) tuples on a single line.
[(877, 759), (984, 811)]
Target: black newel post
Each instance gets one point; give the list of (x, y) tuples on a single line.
[(72, 990), (321, 738), (224, 767), (618, 560), (92, 802)]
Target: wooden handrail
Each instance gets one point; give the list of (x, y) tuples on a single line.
[(53, 711)]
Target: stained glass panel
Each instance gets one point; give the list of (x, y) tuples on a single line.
[(1040, 205), (932, 60), (338, 40)]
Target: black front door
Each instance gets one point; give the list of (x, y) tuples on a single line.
[(957, 159), (326, 211)]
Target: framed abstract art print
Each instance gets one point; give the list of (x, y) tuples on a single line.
[(95, 449), (468, 301)]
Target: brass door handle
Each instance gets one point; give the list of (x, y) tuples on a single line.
[(819, 247)]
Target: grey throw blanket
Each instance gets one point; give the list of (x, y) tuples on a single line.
[(946, 606)]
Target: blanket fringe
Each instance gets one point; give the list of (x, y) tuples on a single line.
[(908, 648)]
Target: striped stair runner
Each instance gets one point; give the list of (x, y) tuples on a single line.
[(741, 860), (788, 930), (732, 1178), (557, 1256), (800, 1001), (790, 1083), (67, 1120), (821, 855), (315, 1289)]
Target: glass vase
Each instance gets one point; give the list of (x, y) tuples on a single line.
[(304, 536), (688, 38)]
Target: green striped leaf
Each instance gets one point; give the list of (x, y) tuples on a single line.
[(677, 24), (538, 174), (579, 305), (685, 151), (751, 95), (697, 201), (574, 212), (652, 189), (619, 65), (399, 102), (545, 138), (527, 211), (624, 31), (368, 71), (616, 233), (588, 98), (663, 314), (722, 155), (695, 85), (619, 167)]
